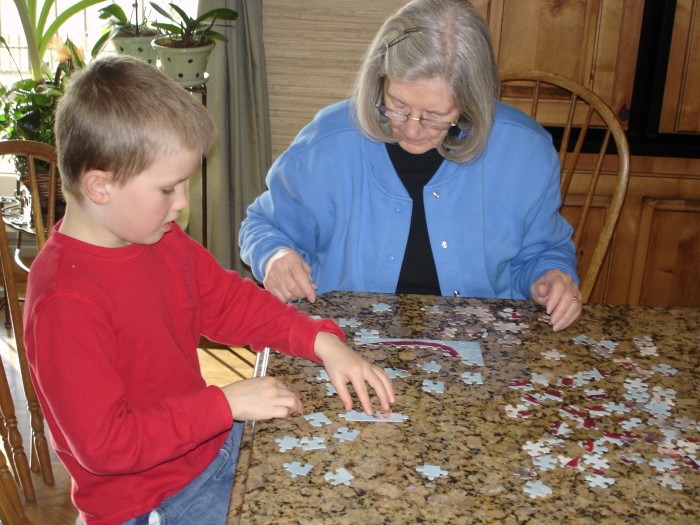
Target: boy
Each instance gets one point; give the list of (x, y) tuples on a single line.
[(119, 297)]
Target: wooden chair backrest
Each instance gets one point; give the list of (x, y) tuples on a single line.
[(32, 151), (553, 100), (46, 189)]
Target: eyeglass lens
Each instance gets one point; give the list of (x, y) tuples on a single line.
[(402, 117)]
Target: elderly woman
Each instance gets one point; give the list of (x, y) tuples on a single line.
[(420, 183)]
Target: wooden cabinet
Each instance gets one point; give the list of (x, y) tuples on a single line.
[(654, 258), (680, 112), (593, 42)]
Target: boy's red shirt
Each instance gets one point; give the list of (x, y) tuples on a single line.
[(111, 338)]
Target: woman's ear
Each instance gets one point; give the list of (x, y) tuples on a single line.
[(96, 186)]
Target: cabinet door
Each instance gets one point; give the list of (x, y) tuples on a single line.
[(680, 111), (593, 42), (655, 259)]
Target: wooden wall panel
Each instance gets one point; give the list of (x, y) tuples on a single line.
[(656, 257), (681, 107), (594, 42), (666, 269)]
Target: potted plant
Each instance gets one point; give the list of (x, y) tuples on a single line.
[(186, 43), (128, 37), (28, 106)]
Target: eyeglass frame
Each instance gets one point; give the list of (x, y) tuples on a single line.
[(403, 117)]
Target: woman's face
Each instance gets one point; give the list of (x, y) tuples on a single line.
[(427, 98)]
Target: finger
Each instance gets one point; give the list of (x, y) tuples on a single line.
[(383, 388), (363, 395), (344, 394), (288, 404), (303, 285), (567, 311), (556, 295), (540, 290)]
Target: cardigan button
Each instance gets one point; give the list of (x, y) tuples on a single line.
[(390, 259), (443, 244), (436, 194), (456, 293), (399, 208)]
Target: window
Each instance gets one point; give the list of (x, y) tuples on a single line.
[(84, 28)]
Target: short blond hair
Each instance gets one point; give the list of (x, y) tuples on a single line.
[(429, 39), (120, 114)]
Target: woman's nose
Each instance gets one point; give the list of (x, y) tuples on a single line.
[(412, 128)]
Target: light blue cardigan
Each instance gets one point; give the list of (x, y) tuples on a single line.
[(335, 198)]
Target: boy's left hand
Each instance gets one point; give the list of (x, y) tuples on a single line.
[(345, 366)]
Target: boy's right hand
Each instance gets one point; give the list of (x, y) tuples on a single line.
[(261, 398)]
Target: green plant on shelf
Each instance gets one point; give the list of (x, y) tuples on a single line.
[(186, 31), (119, 25)]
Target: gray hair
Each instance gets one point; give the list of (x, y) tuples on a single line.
[(429, 39), (120, 114)]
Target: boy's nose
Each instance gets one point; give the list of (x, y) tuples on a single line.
[(181, 202)]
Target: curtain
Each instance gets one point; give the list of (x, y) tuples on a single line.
[(237, 164)]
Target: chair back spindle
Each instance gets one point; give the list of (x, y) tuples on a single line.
[(558, 102)]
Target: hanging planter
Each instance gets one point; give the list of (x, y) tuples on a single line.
[(186, 65), (128, 37), (184, 48), (136, 46)]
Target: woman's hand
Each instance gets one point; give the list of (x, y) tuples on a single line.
[(560, 296), (288, 276)]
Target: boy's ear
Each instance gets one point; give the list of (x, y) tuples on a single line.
[(96, 185)]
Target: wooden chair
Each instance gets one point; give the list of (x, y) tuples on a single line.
[(585, 120), (42, 221)]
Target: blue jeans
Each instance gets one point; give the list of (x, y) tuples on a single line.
[(205, 500)]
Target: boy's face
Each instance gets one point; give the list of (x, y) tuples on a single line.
[(143, 210)]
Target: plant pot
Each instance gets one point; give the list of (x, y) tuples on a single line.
[(136, 46), (187, 66)]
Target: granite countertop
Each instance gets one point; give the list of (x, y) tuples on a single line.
[(598, 423)]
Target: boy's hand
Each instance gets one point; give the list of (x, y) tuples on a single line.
[(261, 398), (345, 366)]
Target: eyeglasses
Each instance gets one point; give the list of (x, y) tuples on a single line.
[(402, 117)]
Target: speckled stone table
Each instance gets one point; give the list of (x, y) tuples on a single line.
[(598, 423)]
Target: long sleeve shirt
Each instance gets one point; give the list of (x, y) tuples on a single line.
[(111, 337)]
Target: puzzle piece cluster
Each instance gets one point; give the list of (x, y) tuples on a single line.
[(640, 397)]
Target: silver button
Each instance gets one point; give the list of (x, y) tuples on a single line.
[(443, 244), (456, 293), (436, 194)]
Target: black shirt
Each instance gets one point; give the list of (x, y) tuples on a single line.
[(418, 273)]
